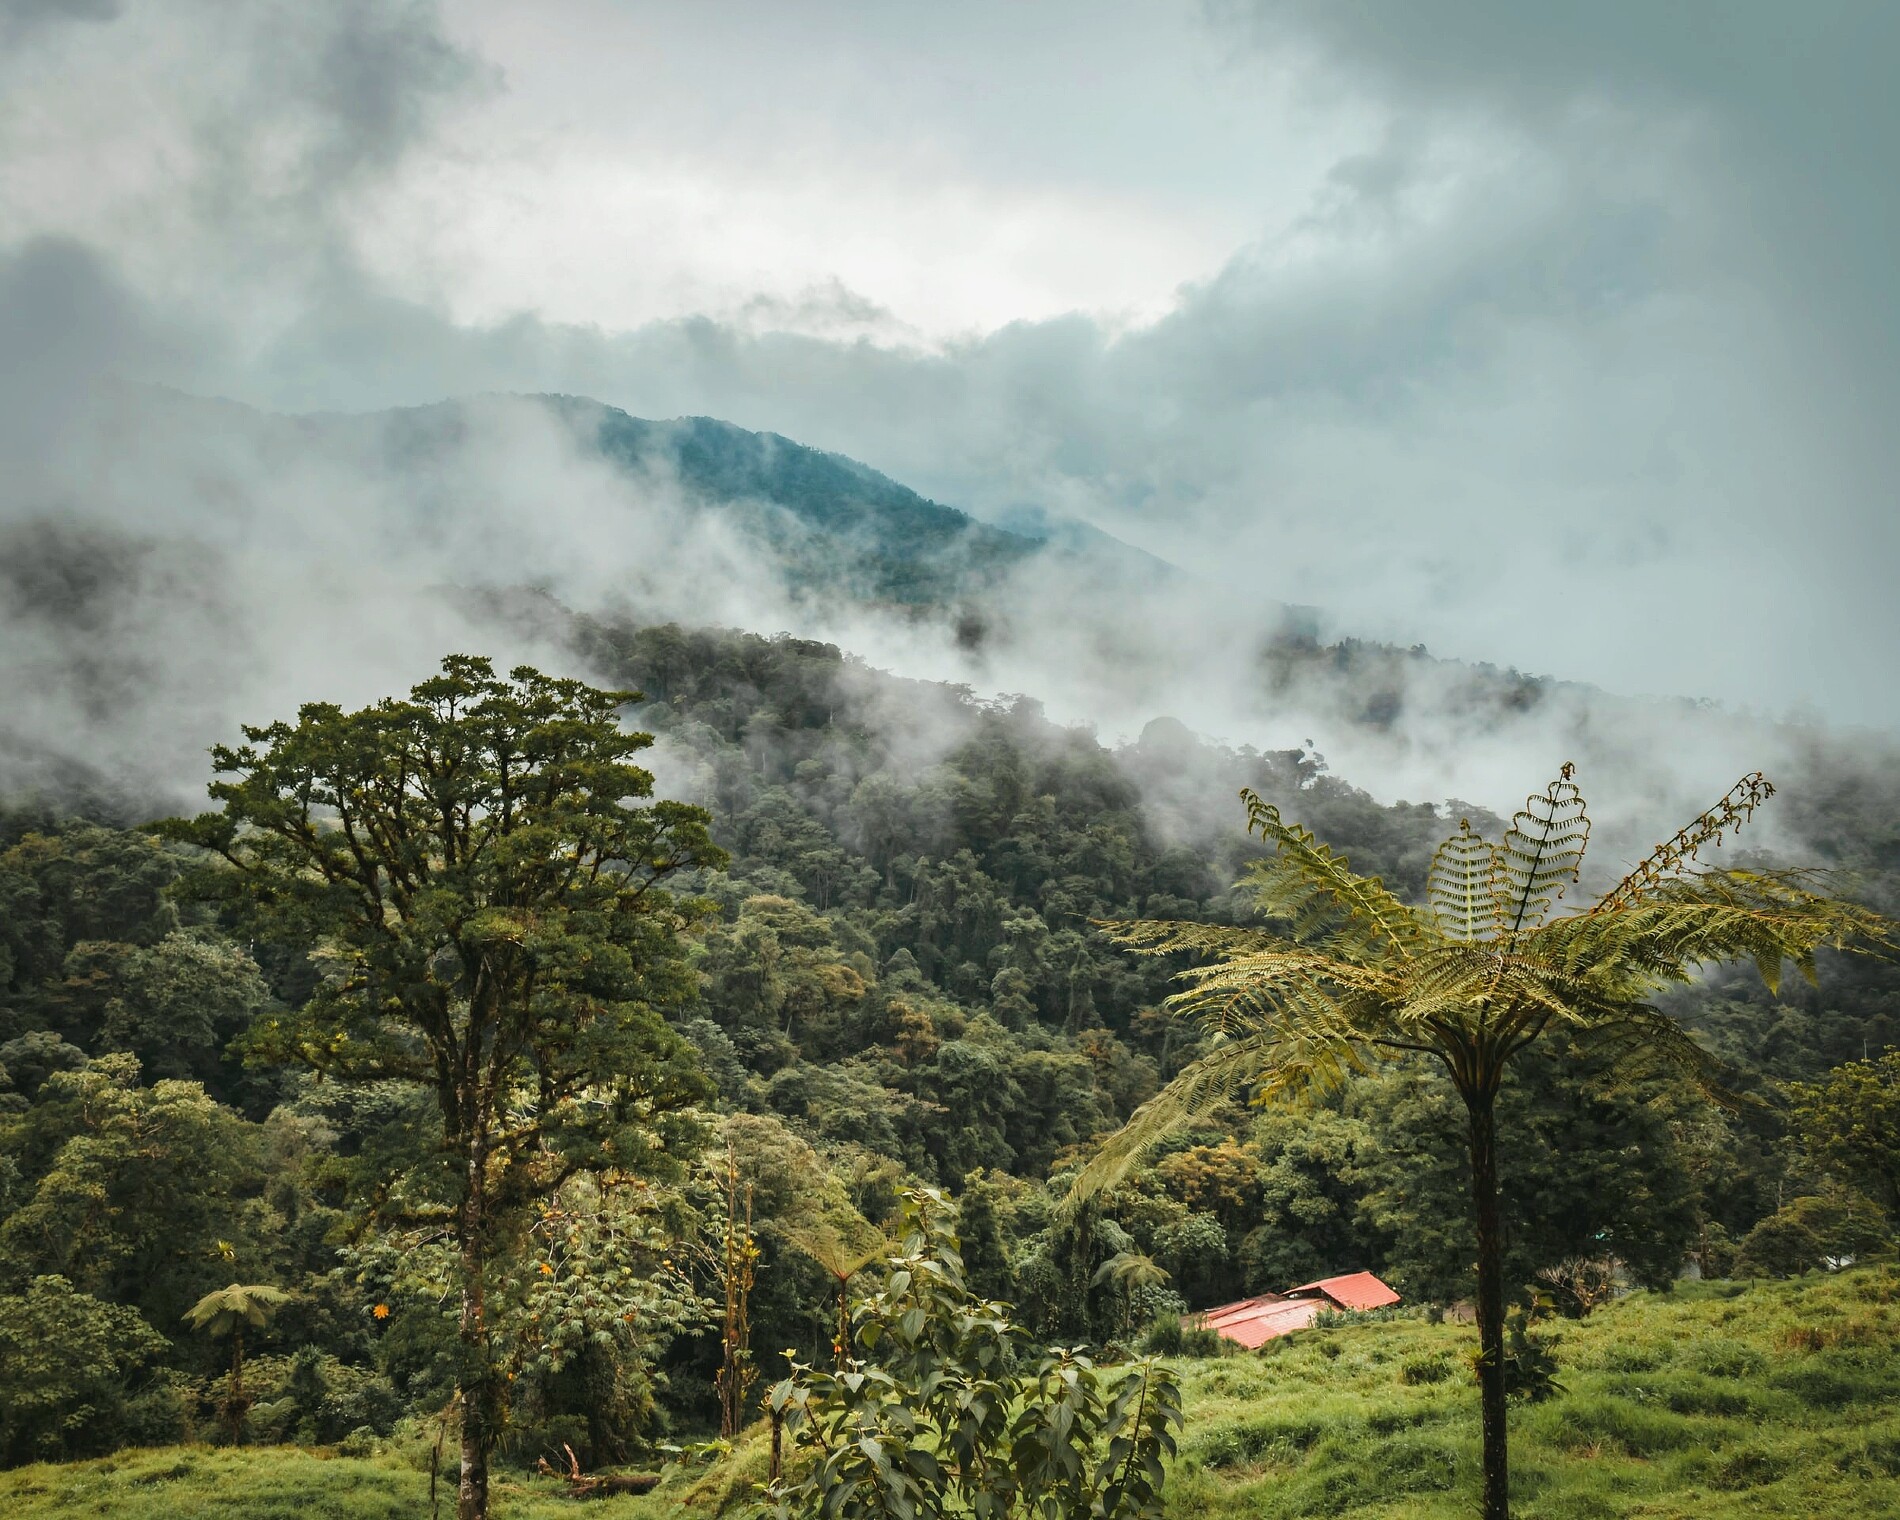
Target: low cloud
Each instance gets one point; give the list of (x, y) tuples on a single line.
[(1523, 375)]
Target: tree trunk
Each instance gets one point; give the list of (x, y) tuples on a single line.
[(236, 1399), (1484, 1199), (479, 1422)]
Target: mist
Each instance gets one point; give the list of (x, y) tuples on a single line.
[(1583, 428)]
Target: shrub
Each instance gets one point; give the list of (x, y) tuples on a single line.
[(65, 1362), (935, 1417), (1171, 1335)]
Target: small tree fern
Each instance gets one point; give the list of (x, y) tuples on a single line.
[(227, 1312), (1347, 973)]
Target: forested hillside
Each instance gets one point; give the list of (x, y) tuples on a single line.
[(900, 982)]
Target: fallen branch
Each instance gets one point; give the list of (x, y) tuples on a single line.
[(582, 1486)]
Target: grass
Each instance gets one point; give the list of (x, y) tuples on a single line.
[(1712, 1401), (1717, 1400), (268, 1483)]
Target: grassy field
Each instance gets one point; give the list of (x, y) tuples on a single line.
[(1717, 1400)]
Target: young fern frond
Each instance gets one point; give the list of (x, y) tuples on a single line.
[(1462, 886), (1321, 899), (1541, 854), (1669, 858)]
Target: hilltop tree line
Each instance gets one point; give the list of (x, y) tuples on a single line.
[(891, 980)]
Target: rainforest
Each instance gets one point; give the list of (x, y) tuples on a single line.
[(1092, 761)]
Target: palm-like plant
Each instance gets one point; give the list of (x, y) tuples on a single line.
[(1128, 1272), (227, 1312), (1349, 973), (842, 1241)]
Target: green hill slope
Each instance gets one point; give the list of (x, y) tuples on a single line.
[(1719, 1399)]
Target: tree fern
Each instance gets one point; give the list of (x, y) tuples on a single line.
[(1343, 972)]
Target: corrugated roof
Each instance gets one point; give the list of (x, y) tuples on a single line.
[(1354, 1290), (1253, 1322)]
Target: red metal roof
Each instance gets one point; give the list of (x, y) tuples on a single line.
[(1355, 1290), (1254, 1321)]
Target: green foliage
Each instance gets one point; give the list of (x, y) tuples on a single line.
[(125, 1190), (942, 1413), (1530, 1365), (66, 1367), (1542, 854), (899, 985), (227, 1310), (1462, 886), (1850, 1125), (1821, 1231), (485, 892), (1179, 1335)]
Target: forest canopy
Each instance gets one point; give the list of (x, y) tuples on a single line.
[(891, 980)]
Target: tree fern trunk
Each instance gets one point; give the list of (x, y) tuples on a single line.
[(1484, 1197), (236, 1399)]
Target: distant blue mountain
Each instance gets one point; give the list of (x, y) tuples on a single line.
[(840, 522)]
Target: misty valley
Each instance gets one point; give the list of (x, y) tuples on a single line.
[(862, 761), (737, 1073)]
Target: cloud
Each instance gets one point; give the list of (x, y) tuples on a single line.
[(1532, 340), (18, 18)]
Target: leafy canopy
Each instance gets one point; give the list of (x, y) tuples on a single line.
[(231, 1308), (474, 863), (479, 867)]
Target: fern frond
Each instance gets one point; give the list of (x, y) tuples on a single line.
[(1641, 1041), (1669, 857), (1166, 936), (1462, 886), (1303, 998), (1262, 1064), (1317, 894), (1688, 920), (1541, 854)]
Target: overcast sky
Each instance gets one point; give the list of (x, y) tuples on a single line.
[(1556, 335)]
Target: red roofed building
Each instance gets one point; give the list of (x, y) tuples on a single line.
[(1356, 1290), (1252, 1322)]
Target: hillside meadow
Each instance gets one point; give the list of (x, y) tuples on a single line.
[(1714, 1400)]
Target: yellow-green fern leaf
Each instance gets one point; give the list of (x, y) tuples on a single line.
[(1541, 854), (1670, 857), (1462, 886)]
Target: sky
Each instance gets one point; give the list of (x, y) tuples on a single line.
[(1558, 336)]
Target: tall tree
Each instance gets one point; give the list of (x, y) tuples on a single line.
[(1347, 972), (480, 866)]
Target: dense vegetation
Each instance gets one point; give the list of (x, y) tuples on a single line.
[(1771, 1399), (897, 983)]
